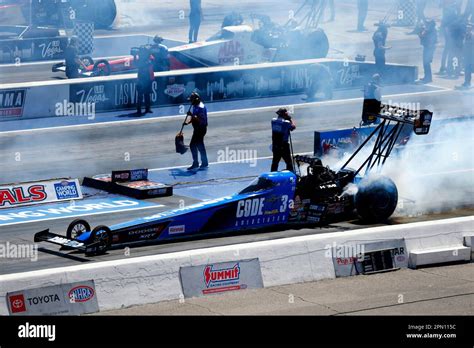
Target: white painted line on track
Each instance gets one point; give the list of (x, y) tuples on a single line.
[(212, 114), (79, 215)]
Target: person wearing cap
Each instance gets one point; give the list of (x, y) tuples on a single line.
[(281, 128), (198, 118), (380, 38), (372, 100), (72, 61), (428, 39), (146, 76), (159, 51)]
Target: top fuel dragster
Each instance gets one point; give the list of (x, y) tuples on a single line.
[(316, 197)]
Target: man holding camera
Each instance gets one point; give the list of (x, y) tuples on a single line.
[(281, 128), (198, 118)]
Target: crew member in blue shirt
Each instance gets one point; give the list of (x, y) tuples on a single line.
[(198, 118), (281, 128)]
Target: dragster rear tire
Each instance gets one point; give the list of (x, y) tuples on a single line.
[(103, 235), (99, 71), (376, 199)]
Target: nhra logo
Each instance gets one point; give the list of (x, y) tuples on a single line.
[(66, 190), (81, 293), (17, 303), (222, 275), (12, 102), (17, 195)]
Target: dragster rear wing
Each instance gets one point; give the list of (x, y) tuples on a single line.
[(420, 119), (46, 236), (387, 132)]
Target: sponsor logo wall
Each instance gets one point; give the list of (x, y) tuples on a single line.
[(65, 299), (12, 102), (350, 259), (174, 88), (220, 277), (39, 192)]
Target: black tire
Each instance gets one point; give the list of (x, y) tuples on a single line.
[(376, 199), (103, 235), (76, 228), (87, 60), (101, 71), (103, 13), (317, 44)]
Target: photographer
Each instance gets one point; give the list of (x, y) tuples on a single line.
[(281, 128)]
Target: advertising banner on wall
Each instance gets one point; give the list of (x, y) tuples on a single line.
[(220, 277), (65, 299), (39, 192)]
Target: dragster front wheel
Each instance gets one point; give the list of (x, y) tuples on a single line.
[(101, 236), (376, 199), (76, 228)]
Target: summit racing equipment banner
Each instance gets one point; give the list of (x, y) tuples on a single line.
[(220, 277), (65, 299), (12, 102), (39, 192)]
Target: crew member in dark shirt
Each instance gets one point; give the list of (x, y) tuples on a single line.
[(146, 77), (72, 61), (198, 118), (281, 128)]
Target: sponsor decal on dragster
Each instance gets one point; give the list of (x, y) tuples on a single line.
[(12, 102), (262, 210), (221, 278)]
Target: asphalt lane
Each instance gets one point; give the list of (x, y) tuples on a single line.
[(100, 148)]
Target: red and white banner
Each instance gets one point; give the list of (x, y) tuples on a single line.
[(39, 192)]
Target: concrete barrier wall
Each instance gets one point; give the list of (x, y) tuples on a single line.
[(113, 93), (132, 281)]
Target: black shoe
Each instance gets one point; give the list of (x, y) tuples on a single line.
[(139, 113), (204, 167), (193, 167), (148, 111)]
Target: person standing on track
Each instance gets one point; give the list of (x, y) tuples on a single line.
[(72, 61), (362, 8), (195, 17), (380, 38), (428, 39), (281, 128), (198, 118), (146, 76)]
